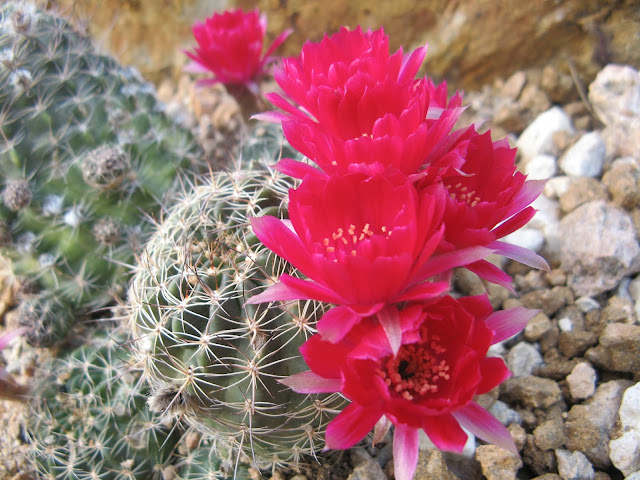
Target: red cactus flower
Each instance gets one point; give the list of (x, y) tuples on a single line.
[(358, 104), (429, 384), (487, 200), (230, 46), (364, 239)]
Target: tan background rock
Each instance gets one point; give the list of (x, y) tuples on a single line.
[(471, 42)]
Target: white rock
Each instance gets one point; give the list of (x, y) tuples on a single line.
[(582, 381), (633, 476), (574, 466), (615, 94), (625, 450), (523, 358), (565, 324), (586, 304), (557, 186), (537, 138), (541, 167), (547, 214), (526, 237), (586, 157), (615, 97), (504, 414), (634, 291)]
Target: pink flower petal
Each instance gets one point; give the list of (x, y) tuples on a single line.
[(296, 169), (423, 291), (529, 192), (309, 382), (271, 116), (494, 371), (485, 426), (489, 272), (514, 223), (507, 323), (405, 451), (276, 43), (292, 288), (350, 426), (9, 336), (277, 237), (389, 318), (445, 433), (281, 103), (447, 261), (380, 430), (520, 254), (336, 323), (411, 64)]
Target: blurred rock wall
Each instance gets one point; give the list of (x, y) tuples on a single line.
[(471, 42)]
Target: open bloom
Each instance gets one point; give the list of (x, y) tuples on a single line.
[(365, 240), (487, 199), (230, 46), (429, 384), (356, 103)]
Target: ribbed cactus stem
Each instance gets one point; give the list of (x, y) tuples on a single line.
[(86, 155), (211, 357)]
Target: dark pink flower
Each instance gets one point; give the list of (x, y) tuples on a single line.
[(364, 239), (230, 46), (429, 384), (487, 200), (358, 104)]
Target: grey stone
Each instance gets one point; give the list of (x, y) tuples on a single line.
[(625, 450), (589, 426), (537, 138), (623, 182), (523, 358), (498, 463), (574, 466), (531, 391), (368, 470), (615, 97), (586, 157), (537, 327), (582, 381), (619, 348), (599, 247), (432, 464), (582, 190), (549, 435)]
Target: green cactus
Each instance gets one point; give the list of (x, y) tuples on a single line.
[(89, 420), (212, 358), (86, 154)]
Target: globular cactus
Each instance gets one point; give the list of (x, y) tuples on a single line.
[(89, 419), (86, 153), (212, 358)]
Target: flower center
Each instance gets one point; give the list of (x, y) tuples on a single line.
[(347, 241), (460, 193), (418, 369)]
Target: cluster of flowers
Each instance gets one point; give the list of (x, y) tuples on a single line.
[(398, 200)]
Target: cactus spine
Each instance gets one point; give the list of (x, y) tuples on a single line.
[(211, 357), (89, 419), (86, 153)]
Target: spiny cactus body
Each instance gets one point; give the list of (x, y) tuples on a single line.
[(89, 419), (211, 357), (86, 153)]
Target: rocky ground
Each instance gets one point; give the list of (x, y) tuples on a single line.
[(573, 403)]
